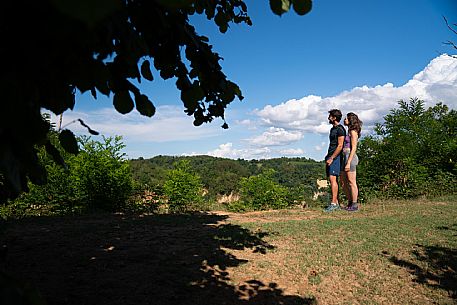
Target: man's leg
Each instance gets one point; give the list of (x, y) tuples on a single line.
[(333, 206), (334, 187), (333, 172)]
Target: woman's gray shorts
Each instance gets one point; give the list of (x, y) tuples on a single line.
[(354, 162)]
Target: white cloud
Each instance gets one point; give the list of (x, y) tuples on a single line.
[(276, 136), (249, 124), (436, 83), (319, 147), (169, 124), (292, 152), (228, 151)]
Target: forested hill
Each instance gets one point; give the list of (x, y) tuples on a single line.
[(221, 176)]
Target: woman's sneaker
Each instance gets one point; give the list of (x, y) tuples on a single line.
[(352, 208), (332, 207)]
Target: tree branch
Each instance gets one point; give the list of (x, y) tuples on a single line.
[(449, 26)]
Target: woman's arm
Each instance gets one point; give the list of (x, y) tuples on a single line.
[(354, 140)]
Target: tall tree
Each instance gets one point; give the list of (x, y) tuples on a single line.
[(53, 48), (412, 153)]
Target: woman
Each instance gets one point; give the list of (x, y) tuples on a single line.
[(354, 125)]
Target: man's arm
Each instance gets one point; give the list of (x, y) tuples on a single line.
[(337, 150)]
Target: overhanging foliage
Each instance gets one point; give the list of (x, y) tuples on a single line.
[(51, 49)]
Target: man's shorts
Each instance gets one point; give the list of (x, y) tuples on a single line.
[(336, 167)]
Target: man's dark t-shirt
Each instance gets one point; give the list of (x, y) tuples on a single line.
[(335, 132)]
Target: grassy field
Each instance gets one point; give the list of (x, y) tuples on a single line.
[(399, 252), (389, 253)]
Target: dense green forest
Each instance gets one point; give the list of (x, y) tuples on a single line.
[(222, 176)]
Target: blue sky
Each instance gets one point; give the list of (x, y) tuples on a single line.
[(355, 55)]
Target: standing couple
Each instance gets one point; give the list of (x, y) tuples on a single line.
[(342, 160)]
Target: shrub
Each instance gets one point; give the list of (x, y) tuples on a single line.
[(183, 188), (301, 195), (261, 192), (102, 174), (97, 178)]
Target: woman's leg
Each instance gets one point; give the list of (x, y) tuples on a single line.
[(352, 178)]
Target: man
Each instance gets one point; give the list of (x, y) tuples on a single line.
[(334, 158)]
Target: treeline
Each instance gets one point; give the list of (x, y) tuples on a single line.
[(221, 176)]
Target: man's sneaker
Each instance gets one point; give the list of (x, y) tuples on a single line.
[(353, 208), (332, 207)]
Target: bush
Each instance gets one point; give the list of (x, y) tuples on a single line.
[(57, 196), (97, 178), (102, 174), (183, 188), (301, 195), (261, 192)]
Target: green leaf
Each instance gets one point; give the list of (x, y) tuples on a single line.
[(199, 118), (198, 122), (93, 92), (210, 11), (183, 83), (37, 174), (123, 102), (55, 154), (91, 131), (68, 141), (198, 8), (220, 18), (279, 7), (146, 70), (175, 4), (88, 11), (216, 110), (223, 28), (302, 7), (144, 105), (191, 96), (236, 90)]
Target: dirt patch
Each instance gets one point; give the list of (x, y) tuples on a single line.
[(268, 216)]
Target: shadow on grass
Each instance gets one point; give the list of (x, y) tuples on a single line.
[(440, 269), (452, 228), (160, 259)]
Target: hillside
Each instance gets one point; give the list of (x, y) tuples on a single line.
[(222, 176)]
